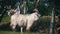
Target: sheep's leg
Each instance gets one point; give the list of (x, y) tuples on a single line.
[(13, 28), (29, 24), (28, 28), (21, 30)]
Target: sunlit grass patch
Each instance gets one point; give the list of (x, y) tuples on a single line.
[(6, 19)]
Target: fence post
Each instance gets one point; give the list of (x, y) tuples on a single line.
[(51, 31)]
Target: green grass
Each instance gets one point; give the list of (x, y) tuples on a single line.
[(10, 32), (6, 19)]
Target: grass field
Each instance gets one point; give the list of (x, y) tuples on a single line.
[(10, 32)]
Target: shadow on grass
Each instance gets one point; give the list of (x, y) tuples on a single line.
[(5, 27)]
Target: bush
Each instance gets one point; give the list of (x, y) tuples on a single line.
[(44, 22)]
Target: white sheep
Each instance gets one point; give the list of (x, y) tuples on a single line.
[(22, 20)]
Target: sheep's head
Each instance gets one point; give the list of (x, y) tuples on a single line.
[(11, 12), (36, 16)]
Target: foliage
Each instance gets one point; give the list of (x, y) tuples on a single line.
[(44, 6)]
